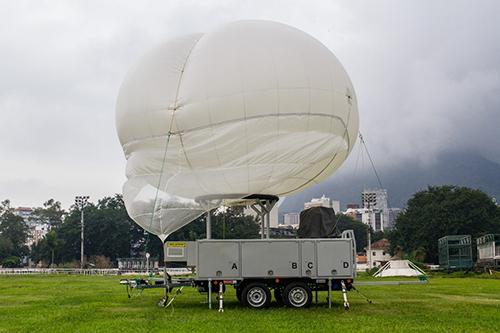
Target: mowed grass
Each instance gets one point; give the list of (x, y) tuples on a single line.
[(65, 303)]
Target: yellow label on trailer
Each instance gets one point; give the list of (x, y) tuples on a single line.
[(176, 244)]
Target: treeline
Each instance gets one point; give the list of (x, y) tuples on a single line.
[(439, 211), (110, 233)]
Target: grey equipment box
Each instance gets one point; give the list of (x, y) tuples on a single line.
[(178, 252), (274, 258)]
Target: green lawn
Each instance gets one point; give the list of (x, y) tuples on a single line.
[(99, 304)]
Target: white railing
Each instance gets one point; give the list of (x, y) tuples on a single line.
[(92, 271), (24, 271)]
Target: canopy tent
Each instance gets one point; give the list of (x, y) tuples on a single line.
[(399, 268)]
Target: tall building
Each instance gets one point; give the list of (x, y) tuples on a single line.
[(24, 212), (374, 199), (377, 200), (393, 215), (323, 202), (375, 210), (36, 233), (292, 219), (373, 217), (37, 229)]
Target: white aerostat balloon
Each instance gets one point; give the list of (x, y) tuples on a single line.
[(254, 107)]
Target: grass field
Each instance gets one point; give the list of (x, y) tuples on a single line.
[(66, 303)]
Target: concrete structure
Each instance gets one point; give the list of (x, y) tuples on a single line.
[(379, 253), (292, 219), (323, 202)]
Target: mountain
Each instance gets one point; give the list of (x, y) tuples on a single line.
[(401, 181)]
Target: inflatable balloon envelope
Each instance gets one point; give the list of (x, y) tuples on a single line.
[(253, 107)]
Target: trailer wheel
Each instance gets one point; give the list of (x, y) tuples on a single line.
[(297, 295), (278, 296), (256, 295)]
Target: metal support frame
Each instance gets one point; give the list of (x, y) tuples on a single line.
[(81, 202), (165, 279), (221, 296), (209, 225), (329, 293), (263, 210), (82, 253), (210, 293)]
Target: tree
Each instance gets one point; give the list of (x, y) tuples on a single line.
[(440, 211), (232, 223), (345, 222), (51, 213), (109, 231), (378, 235), (13, 232), (53, 243), (6, 247), (228, 223)]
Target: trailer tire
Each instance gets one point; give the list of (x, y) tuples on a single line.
[(297, 295), (256, 295)]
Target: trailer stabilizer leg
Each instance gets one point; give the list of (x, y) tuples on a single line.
[(210, 293), (329, 293), (344, 295), (221, 297)]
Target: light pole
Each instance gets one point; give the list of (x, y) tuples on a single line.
[(81, 202), (147, 262)]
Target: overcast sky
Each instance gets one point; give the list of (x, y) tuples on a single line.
[(426, 74)]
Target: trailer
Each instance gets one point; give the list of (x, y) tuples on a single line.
[(290, 269)]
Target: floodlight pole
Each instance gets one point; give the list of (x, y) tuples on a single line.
[(369, 252), (81, 238), (81, 202)]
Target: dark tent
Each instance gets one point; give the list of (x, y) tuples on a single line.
[(317, 222)]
